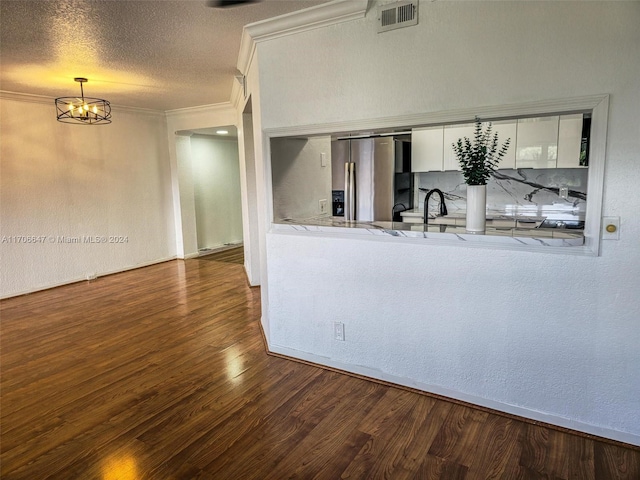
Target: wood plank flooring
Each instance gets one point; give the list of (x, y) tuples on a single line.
[(161, 373)]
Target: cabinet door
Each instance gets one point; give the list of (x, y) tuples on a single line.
[(451, 135), (506, 129), (427, 149), (569, 139), (537, 142)]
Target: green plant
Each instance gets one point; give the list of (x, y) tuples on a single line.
[(480, 158)]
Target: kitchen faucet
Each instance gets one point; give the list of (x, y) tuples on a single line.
[(442, 206), (393, 210)]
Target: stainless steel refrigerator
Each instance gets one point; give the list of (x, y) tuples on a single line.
[(370, 176)]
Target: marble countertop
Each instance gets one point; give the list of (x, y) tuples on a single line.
[(505, 215), (492, 235)]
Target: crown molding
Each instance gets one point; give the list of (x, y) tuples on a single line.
[(237, 94), (45, 100), (329, 13), (25, 97), (212, 108)]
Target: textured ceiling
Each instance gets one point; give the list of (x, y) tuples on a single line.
[(161, 55)]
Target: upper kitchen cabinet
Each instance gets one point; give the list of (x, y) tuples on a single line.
[(451, 135), (506, 129), (559, 141), (427, 149), (537, 142), (571, 148)]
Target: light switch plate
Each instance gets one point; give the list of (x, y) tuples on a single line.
[(611, 228), (323, 159), (338, 331)]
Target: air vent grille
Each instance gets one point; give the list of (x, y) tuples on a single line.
[(397, 15), (388, 17)]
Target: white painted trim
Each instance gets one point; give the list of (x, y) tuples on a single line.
[(246, 274), (212, 108), (598, 104), (595, 181), (329, 13), (26, 97), (45, 100), (102, 274), (467, 115), (454, 394), (238, 99)]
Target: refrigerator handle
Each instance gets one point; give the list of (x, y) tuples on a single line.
[(346, 190), (349, 191), (352, 191), (347, 197)]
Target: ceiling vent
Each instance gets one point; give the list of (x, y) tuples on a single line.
[(397, 15)]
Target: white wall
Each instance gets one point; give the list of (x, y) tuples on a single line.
[(258, 169), (183, 197), (551, 337), (298, 178), (216, 186), (248, 192), (61, 180)]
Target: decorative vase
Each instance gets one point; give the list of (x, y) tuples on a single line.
[(476, 208)]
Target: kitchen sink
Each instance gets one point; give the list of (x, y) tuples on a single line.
[(567, 224)]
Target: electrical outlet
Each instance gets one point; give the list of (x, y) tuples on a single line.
[(338, 331), (564, 192), (323, 205)]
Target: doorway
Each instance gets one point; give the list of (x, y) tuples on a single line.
[(215, 182), (216, 188)]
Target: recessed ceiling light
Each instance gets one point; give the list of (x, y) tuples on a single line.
[(222, 132)]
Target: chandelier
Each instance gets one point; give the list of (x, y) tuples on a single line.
[(85, 110)]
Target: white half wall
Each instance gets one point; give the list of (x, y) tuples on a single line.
[(70, 186), (554, 336)]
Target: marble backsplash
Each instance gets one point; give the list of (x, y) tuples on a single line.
[(513, 191)]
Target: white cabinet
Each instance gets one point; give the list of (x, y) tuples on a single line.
[(537, 142), (427, 149), (506, 129), (569, 141), (451, 135)]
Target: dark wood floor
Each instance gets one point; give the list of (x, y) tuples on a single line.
[(161, 373), (229, 255)]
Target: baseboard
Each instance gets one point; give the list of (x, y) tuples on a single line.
[(76, 280), (532, 416), (219, 248)]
